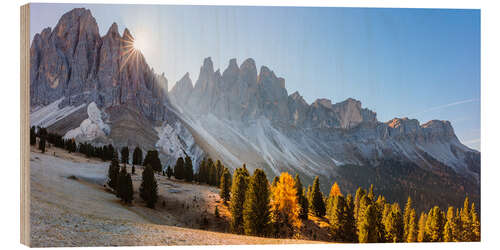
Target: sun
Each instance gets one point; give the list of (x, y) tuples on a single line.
[(139, 44)]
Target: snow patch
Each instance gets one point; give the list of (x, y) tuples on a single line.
[(50, 114), (176, 141), (92, 127)]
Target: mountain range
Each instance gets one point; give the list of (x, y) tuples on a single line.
[(100, 90)]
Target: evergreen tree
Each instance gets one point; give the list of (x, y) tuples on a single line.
[(394, 228), (42, 135), (133, 169), (412, 227), (256, 207), (179, 169), (212, 173), (149, 188), (113, 172), (219, 169), (153, 160), (406, 217), (304, 206), (447, 233), (32, 136), (357, 198), (421, 236), (434, 225), (137, 156), (122, 181), (337, 216), (225, 186), (318, 205), (476, 227), (169, 172), (367, 232), (238, 190), (466, 222), (350, 223), (188, 169), (452, 226), (370, 193), (285, 205), (125, 155)]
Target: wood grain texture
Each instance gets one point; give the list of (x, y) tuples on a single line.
[(25, 153)]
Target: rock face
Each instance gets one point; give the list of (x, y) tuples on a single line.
[(284, 132), (73, 67), (73, 61)]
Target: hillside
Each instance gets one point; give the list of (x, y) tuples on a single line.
[(71, 207)]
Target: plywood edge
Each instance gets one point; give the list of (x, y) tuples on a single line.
[(25, 147)]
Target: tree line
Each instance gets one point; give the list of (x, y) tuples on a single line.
[(279, 209)]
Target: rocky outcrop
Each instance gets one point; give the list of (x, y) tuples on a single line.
[(73, 61), (319, 134)]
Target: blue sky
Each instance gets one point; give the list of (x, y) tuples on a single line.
[(419, 63)]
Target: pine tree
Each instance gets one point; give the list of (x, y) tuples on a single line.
[(367, 227), (212, 172), (334, 191), (285, 205), (350, 223), (238, 190), (42, 134), (422, 237), (394, 228), (406, 217), (225, 186), (133, 169), (357, 198), (452, 225), (32, 136), (137, 156), (122, 182), (149, 188), (125, 155), (447, 233), (476, 227), (304, 206), (412, 227), (219, 169), (256, 207), (318, 205), (179, 169), (188, 169), (337, 216), (113, 172), (466, 222), (434, 225), (169, 172), (153, 160)]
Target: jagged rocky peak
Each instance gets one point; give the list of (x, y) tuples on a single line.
[(297, 97), (73, 62), (322, 102), (113, 30), (440, 127), (248, 68)]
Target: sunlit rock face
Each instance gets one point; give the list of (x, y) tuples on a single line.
[(285, 132), (75, 62)]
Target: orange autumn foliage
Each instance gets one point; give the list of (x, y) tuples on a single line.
[(285, 205), (335, 190)]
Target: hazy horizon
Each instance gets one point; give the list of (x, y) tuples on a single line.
[(416, 63)]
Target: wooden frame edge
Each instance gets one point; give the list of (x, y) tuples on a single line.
[(25, 147)]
